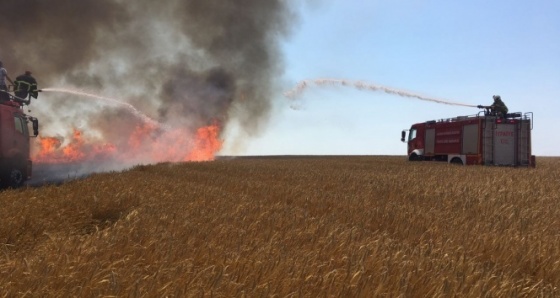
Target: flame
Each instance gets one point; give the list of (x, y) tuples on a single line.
[(48, 146), (147, 143), (206, 144), (73, 151)]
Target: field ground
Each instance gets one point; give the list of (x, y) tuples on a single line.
[(359, 226)]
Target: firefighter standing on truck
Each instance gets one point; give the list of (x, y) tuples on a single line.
[(499, 107), (3, 87), (26, 85)]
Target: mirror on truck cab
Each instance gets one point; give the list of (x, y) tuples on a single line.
[(35, 123), (403, 135)]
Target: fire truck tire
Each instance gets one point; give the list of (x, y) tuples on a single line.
[(14, 178), (456, 161), (414, 157)]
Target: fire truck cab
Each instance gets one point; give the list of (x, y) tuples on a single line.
[(15, 160), (481, 139)]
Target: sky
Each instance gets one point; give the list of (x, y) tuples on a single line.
[(461, 51)]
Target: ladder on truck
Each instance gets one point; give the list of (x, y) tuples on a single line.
[(488, 126), (523, 140)]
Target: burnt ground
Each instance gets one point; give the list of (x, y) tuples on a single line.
[(59, 173)]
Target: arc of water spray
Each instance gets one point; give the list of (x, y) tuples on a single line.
[(126, 105), (302, 85)]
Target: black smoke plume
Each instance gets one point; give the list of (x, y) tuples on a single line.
[(182, 62)]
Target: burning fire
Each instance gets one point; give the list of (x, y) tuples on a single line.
[(206, 144), (146, 144)]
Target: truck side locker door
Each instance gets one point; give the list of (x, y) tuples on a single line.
[(504, 144), (430, 141), (470, 139)]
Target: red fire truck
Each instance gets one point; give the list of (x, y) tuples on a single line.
[(482, 139), (15, 161)]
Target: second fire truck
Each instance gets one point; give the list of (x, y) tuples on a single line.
[(482, 139)]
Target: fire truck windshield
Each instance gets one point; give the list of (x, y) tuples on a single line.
[(412, 134)]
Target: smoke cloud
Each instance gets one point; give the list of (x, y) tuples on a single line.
[(182, 62)]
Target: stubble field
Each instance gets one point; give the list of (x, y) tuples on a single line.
[(287, 227)]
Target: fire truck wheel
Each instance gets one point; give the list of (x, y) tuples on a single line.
[(14, 178), (456, 161), (414, 157)]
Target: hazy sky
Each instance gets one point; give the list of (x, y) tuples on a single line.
[(462, 51)]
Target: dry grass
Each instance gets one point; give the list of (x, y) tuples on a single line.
[(323, 226)]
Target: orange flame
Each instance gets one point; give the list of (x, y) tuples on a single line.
[(145, 144), (73, 150), (48, 146), (206, 144)]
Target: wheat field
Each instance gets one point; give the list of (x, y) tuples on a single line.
[(356, 226)]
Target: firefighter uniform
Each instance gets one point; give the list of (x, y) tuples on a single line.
[(4, 96), (499, 107), (26, 85)]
